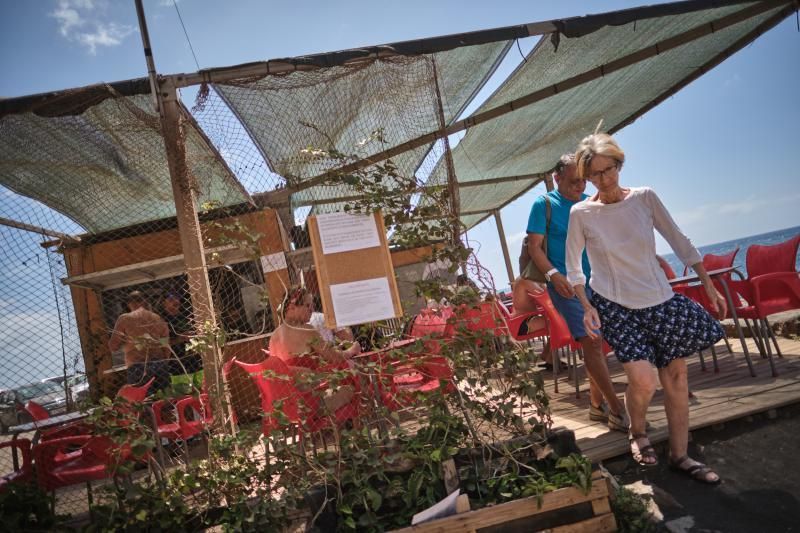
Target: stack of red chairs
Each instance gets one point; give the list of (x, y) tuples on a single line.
[(772, 286)]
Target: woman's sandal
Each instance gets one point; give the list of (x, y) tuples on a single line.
[(696, 470), (643, 455)]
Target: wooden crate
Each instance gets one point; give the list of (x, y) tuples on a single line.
[(566, 510)]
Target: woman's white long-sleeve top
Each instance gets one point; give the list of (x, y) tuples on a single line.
[(621, 246)]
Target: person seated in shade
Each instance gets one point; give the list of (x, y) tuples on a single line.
[(294, 340)]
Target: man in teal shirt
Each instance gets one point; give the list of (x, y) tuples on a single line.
[(569, 191)]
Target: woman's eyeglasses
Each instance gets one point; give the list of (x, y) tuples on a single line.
[(596, 175)]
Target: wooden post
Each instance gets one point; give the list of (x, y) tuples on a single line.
[(504, 245), (452, 180), (184, 191), (548, 182)]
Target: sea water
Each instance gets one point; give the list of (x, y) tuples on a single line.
[(773, 237)]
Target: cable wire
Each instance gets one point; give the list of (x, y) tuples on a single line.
[(175, 3)]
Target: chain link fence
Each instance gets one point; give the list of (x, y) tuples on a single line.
[(113, 325)]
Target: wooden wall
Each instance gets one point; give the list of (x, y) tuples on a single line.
[(86, 259)]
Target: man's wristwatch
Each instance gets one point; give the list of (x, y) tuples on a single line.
[(549, 273)]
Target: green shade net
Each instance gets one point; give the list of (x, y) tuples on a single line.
[(530, 140), (357, 109), (105, 167)]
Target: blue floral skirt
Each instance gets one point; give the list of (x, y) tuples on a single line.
[(676, 328)]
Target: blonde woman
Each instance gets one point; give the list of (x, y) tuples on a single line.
[(645, 322)]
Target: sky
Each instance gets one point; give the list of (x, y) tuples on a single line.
[(721, 153)]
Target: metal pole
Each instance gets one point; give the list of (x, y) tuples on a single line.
[(148, 56), (184, 192), (504, 245)]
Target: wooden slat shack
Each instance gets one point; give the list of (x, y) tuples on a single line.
[(94, 268)]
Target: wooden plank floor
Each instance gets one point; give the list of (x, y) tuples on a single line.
[(718, 397)]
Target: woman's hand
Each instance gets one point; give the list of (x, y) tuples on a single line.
[(716, 301), (591, 321)]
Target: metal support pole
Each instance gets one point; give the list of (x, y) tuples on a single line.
[(504, 245)]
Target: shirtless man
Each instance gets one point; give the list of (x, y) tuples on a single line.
[(143, 336)]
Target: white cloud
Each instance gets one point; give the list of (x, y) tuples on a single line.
[(105, 35), (80, 21)]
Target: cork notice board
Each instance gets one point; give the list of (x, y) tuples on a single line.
[(354, 269)]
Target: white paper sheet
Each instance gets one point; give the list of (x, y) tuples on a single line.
[(342, 232), (273, 262), (359, 302), (441, 509)]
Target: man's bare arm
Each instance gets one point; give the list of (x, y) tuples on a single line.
[(539, 258)]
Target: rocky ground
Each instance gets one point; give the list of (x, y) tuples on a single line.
[(758, 459)]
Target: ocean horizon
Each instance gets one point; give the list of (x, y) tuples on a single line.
[(768, 238)]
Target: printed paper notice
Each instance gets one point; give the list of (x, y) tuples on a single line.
[(359, 302), (273, 262), (342, 232)]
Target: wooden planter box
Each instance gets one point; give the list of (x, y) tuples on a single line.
[(562, 511)]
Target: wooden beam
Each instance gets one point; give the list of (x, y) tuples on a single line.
[(184, 191), (36, 229), (504, 245)]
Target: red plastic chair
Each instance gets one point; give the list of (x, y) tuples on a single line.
[(772, 286), (134, 393), (513, 323), (193, 417), (560, 336), (96, 458), (434, 327), (715, 262), (38, 413), (300, 408), (22, 473)]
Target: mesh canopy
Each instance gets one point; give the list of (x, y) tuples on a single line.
[(106, 167), (389, 100), (530, 140)]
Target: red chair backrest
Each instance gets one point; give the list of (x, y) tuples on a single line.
[(486, 316), (36, 411), (432, 323), (668, 270), (135, 394), (557, 328), (715, 262), (764, 259), (279, 387)]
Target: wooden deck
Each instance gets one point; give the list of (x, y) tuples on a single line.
[(718, 397)]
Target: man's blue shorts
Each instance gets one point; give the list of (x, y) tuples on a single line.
[(571, 309)]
